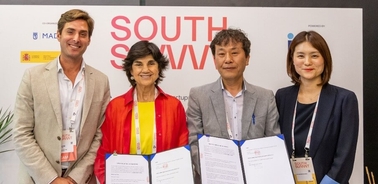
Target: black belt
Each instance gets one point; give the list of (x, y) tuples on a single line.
[(63, 171)]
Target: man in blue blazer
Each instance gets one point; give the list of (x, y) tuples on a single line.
[(230, 107)]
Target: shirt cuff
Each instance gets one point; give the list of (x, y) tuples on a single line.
[(328, 180)]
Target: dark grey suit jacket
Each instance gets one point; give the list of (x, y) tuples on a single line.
[(206, 114), (335, 132)]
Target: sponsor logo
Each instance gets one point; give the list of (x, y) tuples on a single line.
[(38, 56), (37, 35), (25, 57), (290, 37)]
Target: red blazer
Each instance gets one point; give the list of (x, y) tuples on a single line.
[(171, 127)]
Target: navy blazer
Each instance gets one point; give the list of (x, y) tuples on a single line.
[(335, 131)]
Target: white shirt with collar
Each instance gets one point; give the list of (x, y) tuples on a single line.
[(69, 95)]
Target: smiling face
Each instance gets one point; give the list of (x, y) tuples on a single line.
[(231, 60), (145, 71), (308, 63), (74, 40)]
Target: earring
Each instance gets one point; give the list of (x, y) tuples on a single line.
[(132, 77)]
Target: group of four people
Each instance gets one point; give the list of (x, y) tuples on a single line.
[(65, 124)]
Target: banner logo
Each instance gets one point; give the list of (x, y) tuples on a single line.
[(48, 35), (181, 29), (35, 35), (25, 57), (38, 56), (290, 37)]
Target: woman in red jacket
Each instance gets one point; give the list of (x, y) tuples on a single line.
[(160, 117)]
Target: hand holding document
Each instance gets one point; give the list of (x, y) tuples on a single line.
[(168, 167), (256, 161), (127, 169)]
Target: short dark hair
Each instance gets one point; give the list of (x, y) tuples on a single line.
[(225, 36), (142, 49), (76, 14), (319, 43)]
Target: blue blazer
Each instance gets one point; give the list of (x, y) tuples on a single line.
[(335, 132)]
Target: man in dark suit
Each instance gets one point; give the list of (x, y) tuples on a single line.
[(59, 110), (230, 107)]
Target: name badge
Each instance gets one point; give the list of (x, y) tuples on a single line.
[(69, 149), (303, 170)]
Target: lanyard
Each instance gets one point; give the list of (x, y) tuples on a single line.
[(137, 127), (79, 90), (230, 135), (308, 140)]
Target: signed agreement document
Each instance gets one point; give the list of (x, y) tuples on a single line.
[(255, 161), (169, 167)]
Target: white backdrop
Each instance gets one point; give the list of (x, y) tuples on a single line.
[(184, 34)]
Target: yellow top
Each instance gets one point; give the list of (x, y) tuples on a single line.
[(146, 125)]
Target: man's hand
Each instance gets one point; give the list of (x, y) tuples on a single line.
[(60, 180), (72, 180)]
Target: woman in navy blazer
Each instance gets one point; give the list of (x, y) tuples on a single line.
[(332, 110)]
